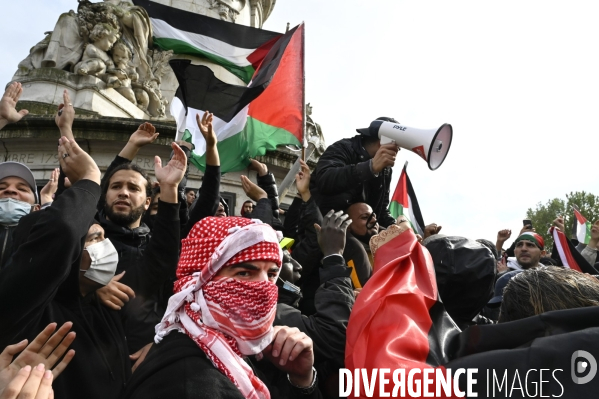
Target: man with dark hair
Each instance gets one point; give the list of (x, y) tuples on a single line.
[(355, 170), (247, 208), (190, 196), (127, 194), (530, 248)]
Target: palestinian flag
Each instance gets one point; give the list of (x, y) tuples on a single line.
[(398, 323), (404, 203), (566, 254), (583, 228), (239, 49), (248, 121)]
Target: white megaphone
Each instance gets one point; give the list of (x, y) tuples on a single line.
[(431, 144)]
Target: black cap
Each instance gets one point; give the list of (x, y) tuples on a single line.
[(366, 131), (499, 286)]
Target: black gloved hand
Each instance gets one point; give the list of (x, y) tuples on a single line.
[(331, 236)]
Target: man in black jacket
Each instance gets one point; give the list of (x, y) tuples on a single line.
[(18, 192), (355, 170), (333, 300), (43, 283), (50, 278)]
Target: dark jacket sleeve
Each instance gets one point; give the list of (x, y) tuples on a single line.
[(307, 251), (384, 217), (337, 171), (206, 203), (334, 301), (269, 184), (118, 160), (292, 219), (263, 211), (161, 255), (40, 265)]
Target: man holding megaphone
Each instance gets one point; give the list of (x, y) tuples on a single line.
[(359, 169), (353, 170)]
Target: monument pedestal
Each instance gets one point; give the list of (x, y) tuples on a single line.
[(46, 86)]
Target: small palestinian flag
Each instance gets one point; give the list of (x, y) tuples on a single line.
[(404, 203), (248, 121), (583, 228), (239, 49)]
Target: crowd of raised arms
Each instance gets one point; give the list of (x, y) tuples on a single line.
[(120, 285)]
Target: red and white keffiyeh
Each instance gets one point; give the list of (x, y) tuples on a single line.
[(226, 317)]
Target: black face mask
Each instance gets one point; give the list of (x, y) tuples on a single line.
[(371, 222)]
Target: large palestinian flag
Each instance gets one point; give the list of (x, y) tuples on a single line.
[(237, 48), (398, 326), (248, 121), (404, 203)]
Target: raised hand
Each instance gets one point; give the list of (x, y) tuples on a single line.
[(292, 351), (171, 175), (205, 125), (526, 228), (76, 163), (46, 349), (8, 103), (258, 166), (302, 181), (503, 235), (144, 135), (559, 222), (47, 193), (65, 116), (431, 229), (331, 236), (252, 190), (115, 294)]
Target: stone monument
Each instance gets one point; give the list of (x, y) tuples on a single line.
[(102, 54)]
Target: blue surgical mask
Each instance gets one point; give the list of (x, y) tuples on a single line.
[(12, 210)]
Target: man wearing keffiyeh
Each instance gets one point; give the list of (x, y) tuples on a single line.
[(222, 311)]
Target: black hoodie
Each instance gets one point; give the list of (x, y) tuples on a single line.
[(40, 285)]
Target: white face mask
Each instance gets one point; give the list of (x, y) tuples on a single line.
[(104, 258), (12, 210)]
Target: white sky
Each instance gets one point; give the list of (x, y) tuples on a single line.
[(518, 80)]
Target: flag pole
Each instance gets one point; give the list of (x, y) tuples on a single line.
[(304, 142)]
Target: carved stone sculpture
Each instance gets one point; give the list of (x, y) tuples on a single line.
[(62, 48), (105, 50), (95, 60), (109, 40), (227, 9)]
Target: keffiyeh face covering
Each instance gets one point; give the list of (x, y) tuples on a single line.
[(226, 317)]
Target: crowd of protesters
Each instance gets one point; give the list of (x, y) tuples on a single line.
[(119, 286)]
